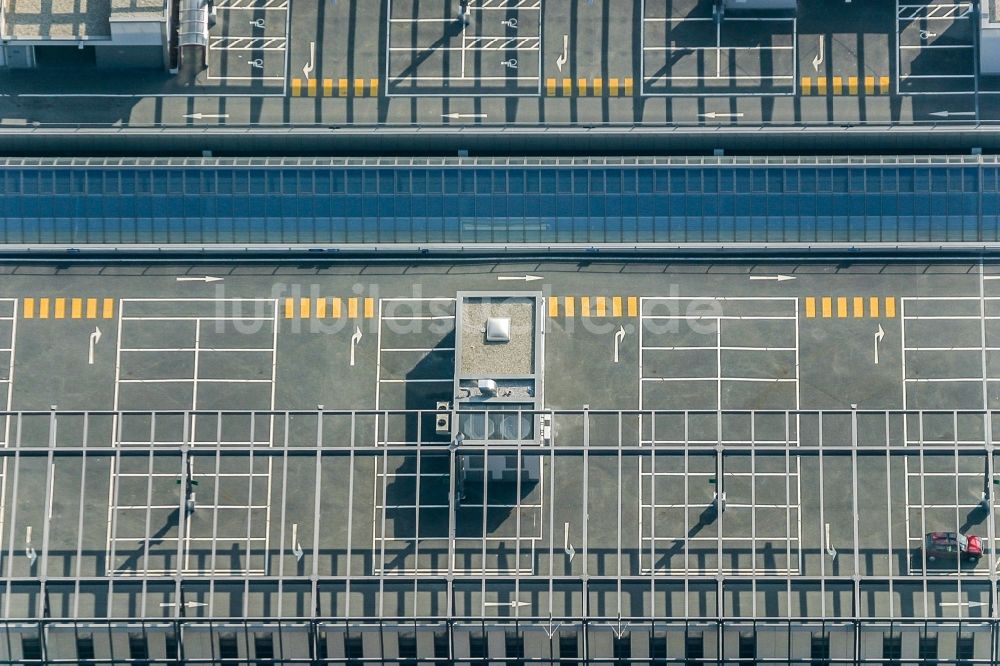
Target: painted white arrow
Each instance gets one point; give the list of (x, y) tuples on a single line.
[(830, 550), (567, 546), (355, 339), (307, 69), (462, 116), (818, 58), (619, 337), (521, 278), (619, 631), (551, 629), (773, 278), (296, 546), (204, 116), (564, 58), (189, 604), (95, 337), (29, 550), (718, 114), (949, 114), (879, 334), (970, 604), (204, 278), (511, 604)]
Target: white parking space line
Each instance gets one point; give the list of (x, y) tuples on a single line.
[(382, 542), (259, 68), (255, 535), (660, 85), (788, 543), (917, 324), (932, 19), (405, 322), (917, 524), (463, 84), (8, 344), (203, 324), (716, 374)]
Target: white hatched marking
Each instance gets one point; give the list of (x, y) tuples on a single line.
[(960, 10), (252, 4), (248, 43)]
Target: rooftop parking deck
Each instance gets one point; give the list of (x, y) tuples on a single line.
[(557, 63), (715, 445), (836, 449)]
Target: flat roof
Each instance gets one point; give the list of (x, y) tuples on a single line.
[(74, 19)]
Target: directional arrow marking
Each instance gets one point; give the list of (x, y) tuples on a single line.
[(189, 604), (29, 550), (512, 604), (522, 278), (818, 58), (307, 70), (567, 546), (719, 114), (830, 550), (204, 278), (971, 604), (773, 278), (949, 114), (619, 337), (296, 546), (619, 631), (879, 334), (202, 116), (564, 58), (355, 339), (459, 116), (95, 337)]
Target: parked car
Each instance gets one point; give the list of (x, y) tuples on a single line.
[(946, 545)]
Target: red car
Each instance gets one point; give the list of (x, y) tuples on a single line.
[(945, 545)]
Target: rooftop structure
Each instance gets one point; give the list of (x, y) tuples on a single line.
[(989, 38), (75, 19), (69, 34)]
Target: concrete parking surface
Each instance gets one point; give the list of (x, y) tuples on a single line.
[(843, 495), (543, 63)]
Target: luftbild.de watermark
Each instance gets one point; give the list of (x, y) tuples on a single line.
[(313, 309)]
